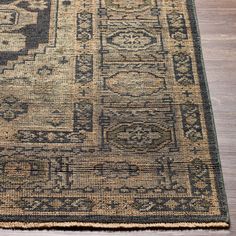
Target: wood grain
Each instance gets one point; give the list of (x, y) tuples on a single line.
[(217, 20)]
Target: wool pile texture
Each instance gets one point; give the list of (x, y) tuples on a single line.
[(105, 117)]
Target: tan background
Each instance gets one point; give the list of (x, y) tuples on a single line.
[(217, 21)]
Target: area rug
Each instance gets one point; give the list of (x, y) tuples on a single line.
[(105, 117)]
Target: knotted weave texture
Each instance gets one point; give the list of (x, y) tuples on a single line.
[(105, 117)]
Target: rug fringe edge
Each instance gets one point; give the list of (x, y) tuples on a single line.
[(28, 225)]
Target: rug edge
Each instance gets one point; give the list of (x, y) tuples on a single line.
[(180, 225), (211, 127)]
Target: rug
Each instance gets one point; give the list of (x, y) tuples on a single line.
[(105, 117)]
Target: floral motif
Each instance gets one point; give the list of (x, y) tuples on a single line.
[(139, 137), (11, 108), (132, 39)]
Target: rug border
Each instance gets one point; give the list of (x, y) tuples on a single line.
[(209, 116), (221, 221)]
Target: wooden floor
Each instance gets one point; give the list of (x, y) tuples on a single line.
[(217, 21)]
